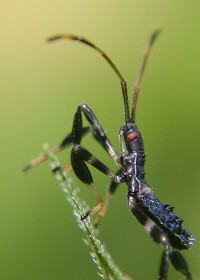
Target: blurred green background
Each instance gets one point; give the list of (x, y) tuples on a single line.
[(41, 87)]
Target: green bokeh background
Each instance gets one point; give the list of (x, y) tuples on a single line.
[(41, 86)]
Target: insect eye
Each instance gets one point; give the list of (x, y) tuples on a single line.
[(132, 136)]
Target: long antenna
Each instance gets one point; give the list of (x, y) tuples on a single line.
[(86, 42), (136, 88)]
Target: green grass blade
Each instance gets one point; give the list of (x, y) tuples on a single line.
[(107, 269)]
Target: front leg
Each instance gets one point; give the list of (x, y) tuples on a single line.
[(97, 131), (79, 158)]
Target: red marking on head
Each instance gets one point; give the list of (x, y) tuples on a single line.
[(132, 136)]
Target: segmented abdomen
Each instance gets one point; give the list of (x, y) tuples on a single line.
[(163, 216)]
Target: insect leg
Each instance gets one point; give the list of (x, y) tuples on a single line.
[(68, 140), (80, 155), (112, 189), (79, 158), (98, 131), (164, 265), (95, 128), (180, 264)]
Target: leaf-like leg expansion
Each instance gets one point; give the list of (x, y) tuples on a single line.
[(79, 156), (180, 264)]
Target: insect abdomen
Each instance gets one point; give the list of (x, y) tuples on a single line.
[(152, 215), (163, 216)]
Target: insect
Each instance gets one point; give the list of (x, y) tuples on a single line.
[(158, 219)]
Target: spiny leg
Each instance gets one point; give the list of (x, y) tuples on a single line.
[(180, 264)]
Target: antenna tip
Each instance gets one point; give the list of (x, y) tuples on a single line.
[(54, 38), (154, 35)]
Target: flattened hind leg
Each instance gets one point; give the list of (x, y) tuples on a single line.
[(180, 264)]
